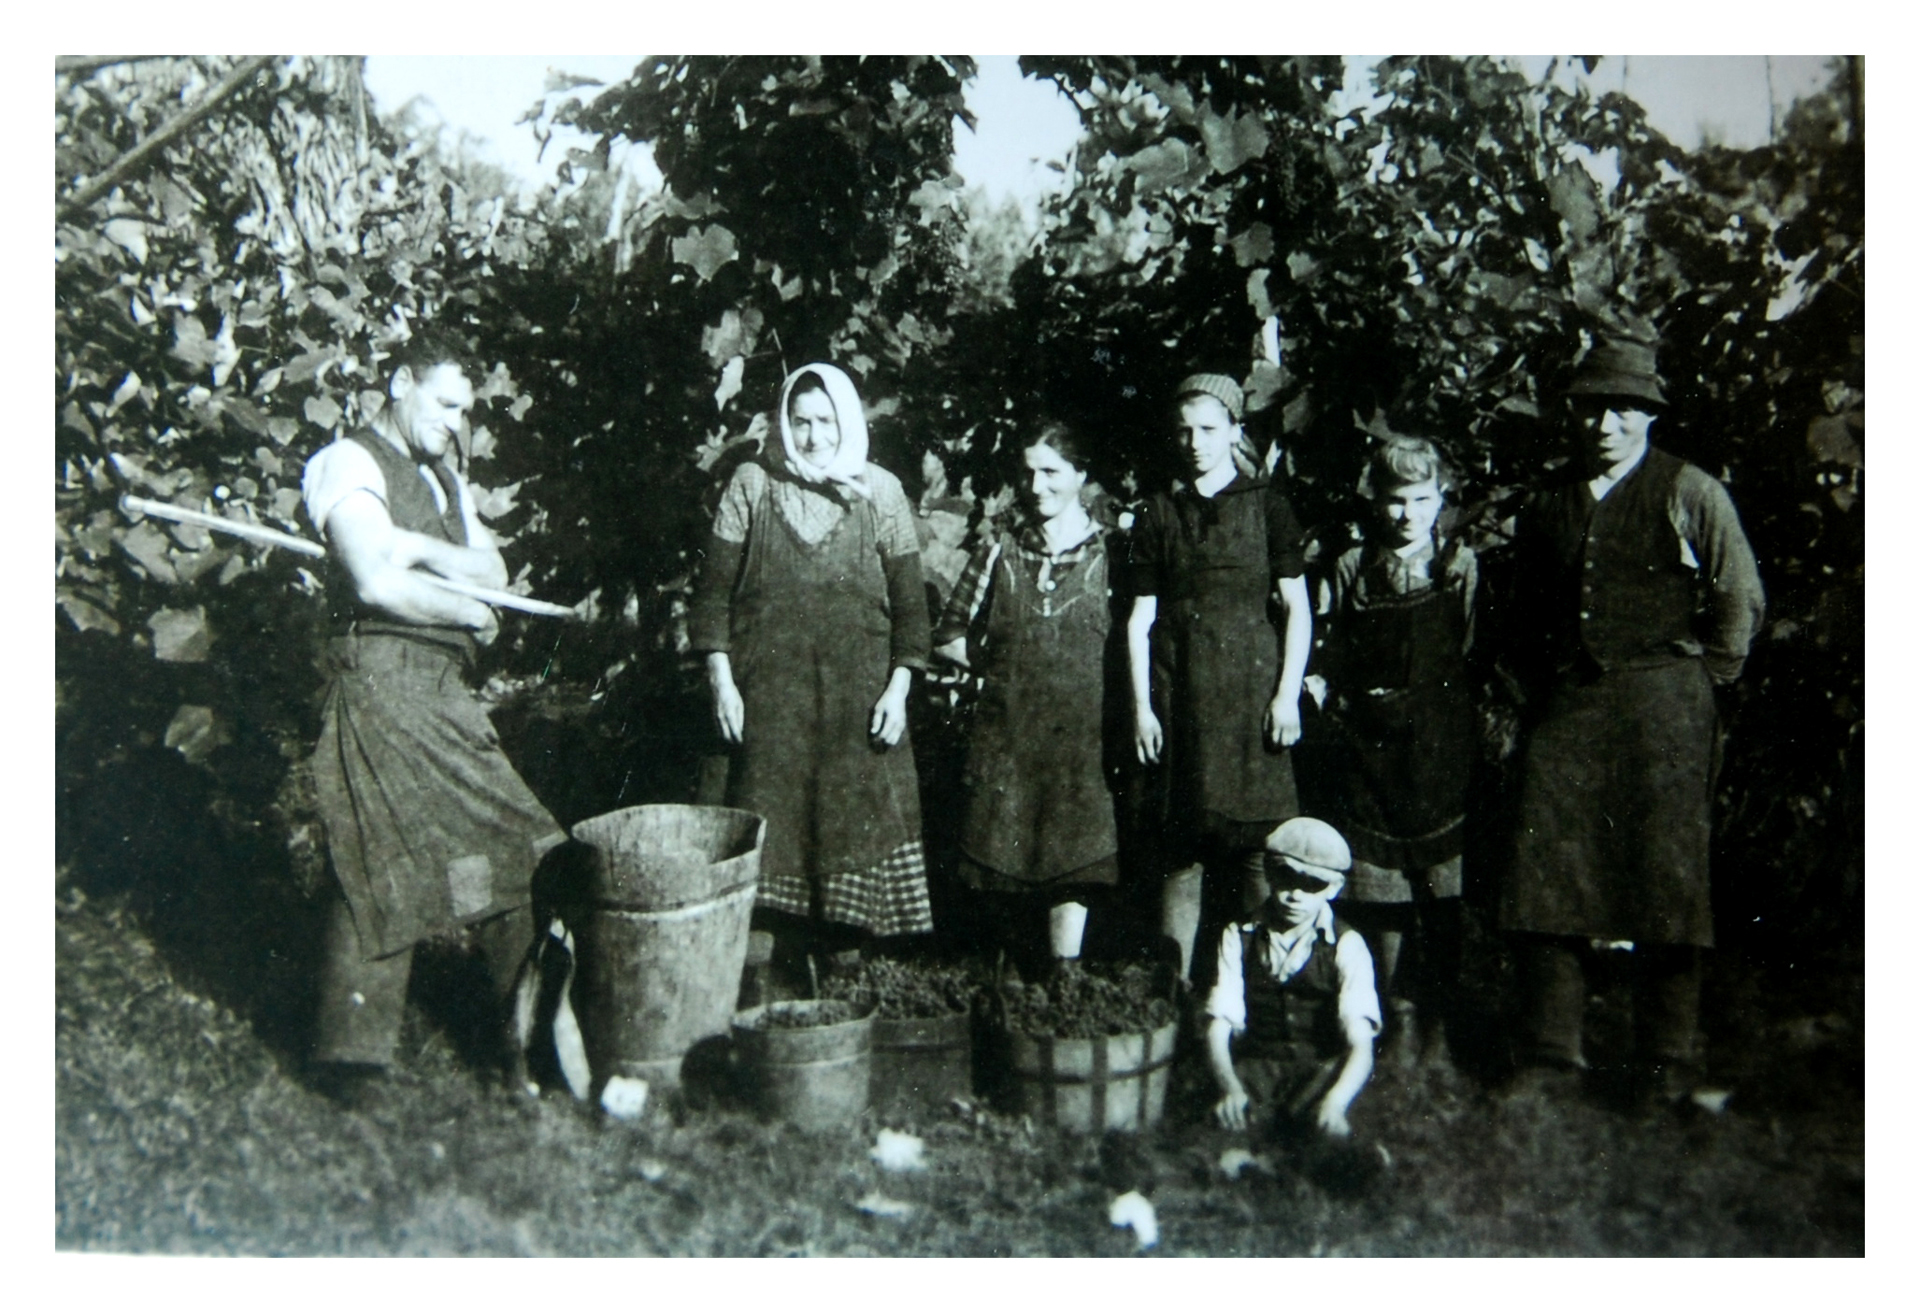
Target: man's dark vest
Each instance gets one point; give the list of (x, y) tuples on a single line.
[(1619, 592), (1298, 1016), (410, 505)]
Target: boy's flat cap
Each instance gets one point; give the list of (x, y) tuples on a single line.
[(1312, 844)]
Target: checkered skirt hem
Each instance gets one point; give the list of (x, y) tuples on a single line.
[(887, 898)]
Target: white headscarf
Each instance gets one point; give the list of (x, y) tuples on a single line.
[(849, 463)]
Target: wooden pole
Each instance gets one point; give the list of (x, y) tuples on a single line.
[(306, 547), (88, 63), (257, 533), (120, 169)]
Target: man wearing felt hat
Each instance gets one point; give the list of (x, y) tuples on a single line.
[(1637, 594)]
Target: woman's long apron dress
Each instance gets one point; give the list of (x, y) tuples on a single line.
[(1216, 663), (811, 653), (1039, 807)]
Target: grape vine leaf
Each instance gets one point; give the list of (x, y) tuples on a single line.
[(180, 635), (705, 249)]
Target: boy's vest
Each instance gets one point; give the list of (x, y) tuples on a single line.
[(1295, 1018), (410, 505)]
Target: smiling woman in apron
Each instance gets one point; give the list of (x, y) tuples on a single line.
[(1032, 615), (811, 608)]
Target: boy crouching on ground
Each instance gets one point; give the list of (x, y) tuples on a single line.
[(1294, 994)]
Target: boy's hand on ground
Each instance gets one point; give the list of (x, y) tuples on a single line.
[(1232, 1109), (1332, 1121)]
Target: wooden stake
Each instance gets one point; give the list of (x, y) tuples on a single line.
[(88, 63), (118, 171)]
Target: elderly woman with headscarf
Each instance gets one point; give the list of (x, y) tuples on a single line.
[(811, 608)]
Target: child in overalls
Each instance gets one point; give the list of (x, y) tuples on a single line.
[(1293, 1013), (1392, 769)]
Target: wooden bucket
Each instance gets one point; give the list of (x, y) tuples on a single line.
[(1113, 1083), (922, 1061), (817, 1077), (664, 939)]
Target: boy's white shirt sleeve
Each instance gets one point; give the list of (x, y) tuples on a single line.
[(1228, 999), (1353, 966), (333, 473)]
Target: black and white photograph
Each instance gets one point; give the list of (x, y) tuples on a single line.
[(936, 656)]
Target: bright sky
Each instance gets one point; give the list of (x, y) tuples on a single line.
[(1024, 124)]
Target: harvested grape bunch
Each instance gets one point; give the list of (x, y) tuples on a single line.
[(815, 1012), (1086, 1002), (900, 990)]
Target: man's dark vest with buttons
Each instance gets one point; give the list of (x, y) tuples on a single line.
[(1620, 594), (410, 505)]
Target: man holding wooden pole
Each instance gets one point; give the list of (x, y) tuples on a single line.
[(430, 830)]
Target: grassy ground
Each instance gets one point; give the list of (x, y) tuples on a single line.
[(182, 1128)]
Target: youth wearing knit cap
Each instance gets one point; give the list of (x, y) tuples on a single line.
[(1218, 386), (1227, 392)]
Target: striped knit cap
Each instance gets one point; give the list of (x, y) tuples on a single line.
[(1218, 386)]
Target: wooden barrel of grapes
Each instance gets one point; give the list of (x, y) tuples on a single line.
[(922, 1061), (808, 1061), (1110, 1083), (664, 936)]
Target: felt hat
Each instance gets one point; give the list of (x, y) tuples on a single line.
[(1619, 367), (1311, 846), (1218, 386)]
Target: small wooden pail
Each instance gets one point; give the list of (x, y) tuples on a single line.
[(817, 1077), (1113, 1083)]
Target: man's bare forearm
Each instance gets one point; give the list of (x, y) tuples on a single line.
[(474, 565), (412, 597)]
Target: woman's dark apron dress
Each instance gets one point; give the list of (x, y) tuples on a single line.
[(1039, 809), (812, 652), (1216, 664)]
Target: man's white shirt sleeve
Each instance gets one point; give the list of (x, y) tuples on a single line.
[(336, 471)]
